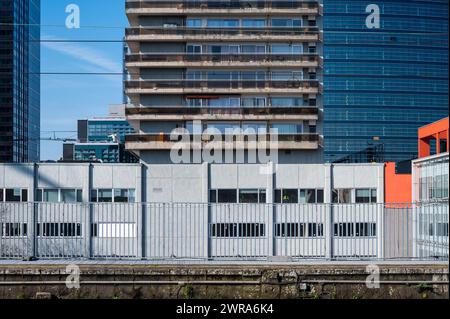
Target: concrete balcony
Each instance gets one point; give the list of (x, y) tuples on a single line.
[(162, 141), (181, 113), (168, 86), (216, 7), (166, 34), (148, 60)]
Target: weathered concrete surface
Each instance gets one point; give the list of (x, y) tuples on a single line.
[(224, 281)]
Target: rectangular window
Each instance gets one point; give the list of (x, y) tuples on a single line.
[(58, 229), (124, 196), (113, 230), (299, 230), (16, 195), (104, 195), (226, 196), (248, 196), (50, 196), (365, 195), (343, 229), (342, 196), (13, 230), (365, 229), (238, 230), (286, 196), (362, 196), (71, 195), (290, 229)]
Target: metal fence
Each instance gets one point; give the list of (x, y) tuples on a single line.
[(188, 231)]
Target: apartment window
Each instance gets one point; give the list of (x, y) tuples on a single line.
[(286, 49), (238, 230), (13, 229), (254, 102), (59, 195), (286, 196), (253, 23), (118, 195), (311, 196), (194, 23), (342, 196), (252, 196), (223, 196), (365, 195), (286, 23), (223, 23), (14, 195), (286, 101), (124, 196), (58, 229), (194, 49), (113, 230)]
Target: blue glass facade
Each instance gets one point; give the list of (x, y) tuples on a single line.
[(19, 80), (96, 141), (100, 130), (381, 85)]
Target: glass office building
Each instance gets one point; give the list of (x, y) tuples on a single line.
[(101, 139), (19, 80), (381, 85)]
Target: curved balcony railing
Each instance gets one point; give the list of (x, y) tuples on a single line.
[(219, 84), (216, 32), (222, 58), (294, 110), (217, 4)]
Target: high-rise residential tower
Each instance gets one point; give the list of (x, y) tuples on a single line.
[(252, 65), (382, 82), (19, 80)]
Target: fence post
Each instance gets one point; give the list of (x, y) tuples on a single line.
[(87, 212), (206, 212), (328, 223), (271, 211)]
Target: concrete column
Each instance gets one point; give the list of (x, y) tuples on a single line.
[(271, 175), (380, 212), (88, 210), (206, 209), (141, 209), (33, 212), (327, 199)]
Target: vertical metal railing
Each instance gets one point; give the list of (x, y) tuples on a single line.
[(202, 231)]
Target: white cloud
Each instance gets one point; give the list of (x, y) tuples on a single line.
[(85, 54)]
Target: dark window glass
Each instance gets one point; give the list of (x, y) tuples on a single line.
[(24, 195), (262, 196), (320, 196), (290, 196), (13, 195), (277, 196), (213, 196), (237, 230), (248, 196), (362, 196), (105, 195), (226, 196)]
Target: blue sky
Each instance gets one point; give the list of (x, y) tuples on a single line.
[(66, 98)]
